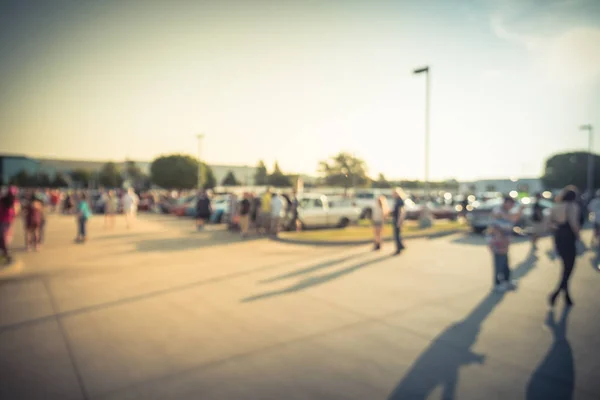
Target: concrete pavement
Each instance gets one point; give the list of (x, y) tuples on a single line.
[(162, 312)]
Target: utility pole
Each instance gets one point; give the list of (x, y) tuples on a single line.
[(590, 171), (426, 220)]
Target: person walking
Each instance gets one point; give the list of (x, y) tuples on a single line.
[(203, 209), (565, 220), (295, 217), (594, 207), (277, 209), (398, 216), (83, 214), (538, 223), (265, 211), (130, 204), (111, 206), (378, 215), (499, 235), (34, 215), (9, 208), (255, 208), (245, 215)]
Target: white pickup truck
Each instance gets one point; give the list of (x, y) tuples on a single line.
[(319, 211), (366, 200)]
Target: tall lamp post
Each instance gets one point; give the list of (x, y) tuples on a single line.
[(426, 220), (200, 137), (590, 172)]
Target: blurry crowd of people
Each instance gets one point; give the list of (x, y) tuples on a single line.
[(264, 214)]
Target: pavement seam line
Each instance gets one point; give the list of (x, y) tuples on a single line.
[(68, 346)]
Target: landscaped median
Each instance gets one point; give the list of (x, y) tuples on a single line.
[(363, 234)]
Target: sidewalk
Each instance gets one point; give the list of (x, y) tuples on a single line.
[(158, 313)]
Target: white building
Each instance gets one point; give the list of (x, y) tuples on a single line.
[(530, 185)]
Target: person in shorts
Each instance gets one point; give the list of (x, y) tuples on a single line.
[(378, 215), (203, 209), (265, 211), (245, 215)]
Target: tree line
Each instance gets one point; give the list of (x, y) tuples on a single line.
[(179, 171)]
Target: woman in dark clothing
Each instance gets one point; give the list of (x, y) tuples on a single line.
[(203, 210), (565, 218), (254, 210)]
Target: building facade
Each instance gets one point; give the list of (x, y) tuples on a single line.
[(11, 165)]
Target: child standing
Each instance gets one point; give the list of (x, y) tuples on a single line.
[(83, 214), (500, 233)]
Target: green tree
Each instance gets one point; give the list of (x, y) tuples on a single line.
[(277, 178), (59, 181), (570, 169), (230, 180), (209, 181), (135, 175), (344, 170), (110, 175), (81, 176), (381, 183), (261, 177), (178, 171), (43, 180), (23, 179)]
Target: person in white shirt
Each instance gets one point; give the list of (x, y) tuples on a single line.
[(130, 203), (276, 212), (378, 214), (594, 207)]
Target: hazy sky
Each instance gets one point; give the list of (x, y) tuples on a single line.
[(298, 81)]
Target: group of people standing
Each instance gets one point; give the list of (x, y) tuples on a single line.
[(33, 206), (381, 212), (265, 213), (565, 220)]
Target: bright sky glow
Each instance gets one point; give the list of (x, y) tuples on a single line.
[(298, 81)]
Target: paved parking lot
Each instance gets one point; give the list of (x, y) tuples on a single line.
[(163, 312)]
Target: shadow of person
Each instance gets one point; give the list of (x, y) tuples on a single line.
[(554, 378), (525, 266), (439, 364)]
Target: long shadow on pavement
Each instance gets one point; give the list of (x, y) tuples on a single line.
[(440, 363), (314, 281), (312, 268), (203, 239), (554, 378), (474, 239)]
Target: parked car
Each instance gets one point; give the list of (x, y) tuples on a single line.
[(481, 215), (220, 209), (180, 206), (365, 200), (438, 211), (319, 211)]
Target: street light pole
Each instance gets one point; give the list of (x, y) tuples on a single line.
[(426, 218), (590, 171), (200, 137)]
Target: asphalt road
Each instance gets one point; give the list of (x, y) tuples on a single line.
[(163, 312)]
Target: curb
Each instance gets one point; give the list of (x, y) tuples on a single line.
[(363, 241)]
